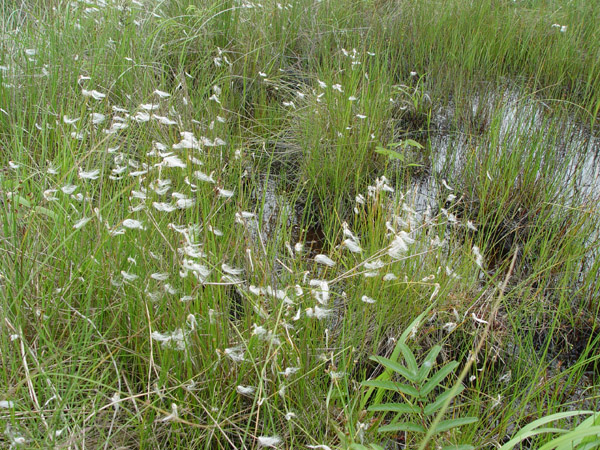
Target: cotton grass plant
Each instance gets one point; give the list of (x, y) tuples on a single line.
[(202, 247)]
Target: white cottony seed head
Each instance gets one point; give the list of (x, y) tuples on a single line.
[(269, 441), (325, 260)]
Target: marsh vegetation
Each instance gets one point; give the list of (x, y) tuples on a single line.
[(220, 220)]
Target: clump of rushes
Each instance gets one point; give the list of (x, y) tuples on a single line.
[(212, 216)]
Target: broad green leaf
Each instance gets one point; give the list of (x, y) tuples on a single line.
[(519, 437), (593, 445), (432, 408), (46, 212), (428, 363), (402, 426), (411, 143), (386, 375), (446, 425), (572, 437), (396, 367), (409, 356), (392, 386), (551, 418), (364, 447), (401, 408), (20, 200), (390, 153), (404, 336), (438, 377), (594, 419)]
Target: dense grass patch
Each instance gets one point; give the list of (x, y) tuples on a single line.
[(213, 214)]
